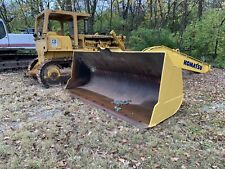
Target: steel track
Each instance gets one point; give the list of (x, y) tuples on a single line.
[(15, 61)]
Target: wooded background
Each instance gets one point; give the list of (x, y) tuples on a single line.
[(196, 27)]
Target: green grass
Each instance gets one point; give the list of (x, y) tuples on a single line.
[(86, 137)]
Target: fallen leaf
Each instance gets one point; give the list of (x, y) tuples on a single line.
[(174, 159)]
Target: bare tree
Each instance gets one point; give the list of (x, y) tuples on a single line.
[(90, 7), (111, 14), (217, 38), (65, 5), (5, 15), (200, 8)]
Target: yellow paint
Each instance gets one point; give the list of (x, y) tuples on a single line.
[(171, 84), (171, 93), (52, 46), (53, 70)]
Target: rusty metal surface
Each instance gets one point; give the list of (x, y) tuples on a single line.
[(124, 62), (126, 83)]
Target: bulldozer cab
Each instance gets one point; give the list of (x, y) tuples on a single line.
[(60, 23)]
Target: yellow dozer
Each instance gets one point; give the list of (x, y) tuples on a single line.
[(142, 87), (57, 35)]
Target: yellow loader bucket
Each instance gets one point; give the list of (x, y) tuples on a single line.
[(143, 88)]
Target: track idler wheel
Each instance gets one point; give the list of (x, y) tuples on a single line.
[(49, 74), (30, 68)]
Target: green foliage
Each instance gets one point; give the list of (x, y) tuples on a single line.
[(143, 37), (197, 29), (206, 38), (220, 60), (102, 24)]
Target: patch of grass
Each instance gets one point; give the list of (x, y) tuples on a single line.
[(22, 135), (5, 151), (87, 137), (33, 164), (15, 163), (195, 130)]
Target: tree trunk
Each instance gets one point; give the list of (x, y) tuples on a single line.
[(217, 39), (23, 13), (90, 6), (174, 16), (5, 16), (68, 5), (155, 14), (200, 8), (184, 15), (151, 12), (111, 11), (167, 13)]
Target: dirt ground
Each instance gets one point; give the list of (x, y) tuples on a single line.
[(45, 128)]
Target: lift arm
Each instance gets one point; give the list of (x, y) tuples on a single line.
[(182, 60), (119, 41)]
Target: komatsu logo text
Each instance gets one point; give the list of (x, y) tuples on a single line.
[(194, 65)]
